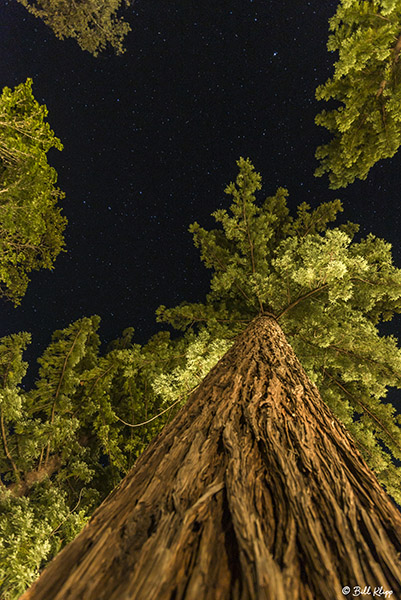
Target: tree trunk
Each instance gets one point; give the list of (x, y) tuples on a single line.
[(254, 491)]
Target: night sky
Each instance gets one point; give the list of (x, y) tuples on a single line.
[(151, 139)]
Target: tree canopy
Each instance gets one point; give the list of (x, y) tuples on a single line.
[(93, 23), (366, 126), (329, 292), (31, 225), (68, 441)]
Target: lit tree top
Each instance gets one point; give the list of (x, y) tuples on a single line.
[(93, 23), (328, 291)]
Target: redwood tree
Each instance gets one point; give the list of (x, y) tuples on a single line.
[(255, 490)]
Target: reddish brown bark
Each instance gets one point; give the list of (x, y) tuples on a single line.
[(254, 491)]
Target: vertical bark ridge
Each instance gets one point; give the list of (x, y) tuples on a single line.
[(253, 492)]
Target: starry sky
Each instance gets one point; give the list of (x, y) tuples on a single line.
[(151, 139)]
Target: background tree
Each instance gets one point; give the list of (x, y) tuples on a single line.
[(66, 443), (366, 126), (31, 226), (93, 23), (42, 460)]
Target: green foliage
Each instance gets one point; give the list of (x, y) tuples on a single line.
[(328, 291), (366, 126), (201, 354), (38, 454), (31, 227), (32, 530), (67, 442), (93, 23)]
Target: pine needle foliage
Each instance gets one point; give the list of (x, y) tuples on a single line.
[(94, 24), (329, 293), (31, 226), (366, 126)]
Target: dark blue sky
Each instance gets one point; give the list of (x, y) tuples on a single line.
[(151, 139)]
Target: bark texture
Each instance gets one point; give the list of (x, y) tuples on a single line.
[(254, 491)]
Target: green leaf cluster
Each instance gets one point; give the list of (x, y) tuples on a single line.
[(366, 125), (32, 530), (202, 352), (94, 24), (31, 226)]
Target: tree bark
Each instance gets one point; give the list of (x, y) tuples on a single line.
[(254, 491)]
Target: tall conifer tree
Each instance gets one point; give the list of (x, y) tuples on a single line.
[(328, 291), (253, 491), (257, 479)]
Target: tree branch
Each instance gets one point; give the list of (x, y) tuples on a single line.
[(6, 449), (158, 415), (58, 390), (251, 250), (236, 284), (361, 404), (300, 298)]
